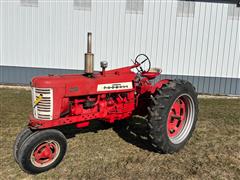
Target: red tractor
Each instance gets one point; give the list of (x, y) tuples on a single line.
[(169, 107)]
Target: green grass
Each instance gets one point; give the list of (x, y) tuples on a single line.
[(97, 153)]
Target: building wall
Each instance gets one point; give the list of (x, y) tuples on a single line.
[(196, 41)]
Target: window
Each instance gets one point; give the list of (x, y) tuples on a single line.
[(233, 12), (30, 3), (82, 5), (134, 6), (185, 9)]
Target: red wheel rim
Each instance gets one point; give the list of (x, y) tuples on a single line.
[(45, 153), (176, 117), (180, 118)]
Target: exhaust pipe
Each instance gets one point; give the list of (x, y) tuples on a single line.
[(89, 56)]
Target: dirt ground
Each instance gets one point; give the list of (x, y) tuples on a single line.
[(118, 152)]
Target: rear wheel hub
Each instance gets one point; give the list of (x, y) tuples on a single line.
[(180, 118)]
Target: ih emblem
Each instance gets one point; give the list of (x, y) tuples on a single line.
[(37, 100)]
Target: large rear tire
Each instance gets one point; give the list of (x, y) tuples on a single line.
[(172, 116), (42, 151)]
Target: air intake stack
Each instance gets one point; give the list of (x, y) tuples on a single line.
[(89, 56)]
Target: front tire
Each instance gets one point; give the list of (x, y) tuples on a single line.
[(42, 151), (172, 116), (25, 133)]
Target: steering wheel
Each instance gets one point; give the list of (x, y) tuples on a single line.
[(142, 59)]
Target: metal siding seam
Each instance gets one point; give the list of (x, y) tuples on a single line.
[(229, 50), (72, 39), (234, 56), (195, 58), (19, 33), (50, 35), (127, 37), (124, 29), (237, 40), (156, 55), (130, 29), (169, 33), (90, 19), (205, 67), (190, 54), (150, 24), (180, 40), (224, 49), (150, 30), (134, 44), (215, 85), (119, 17), (140, 49), (95, 24), (163, 42), (174, 43), (113, 31), (186, 35), (204, 22), (134, 28), (153, 27), (101, 30), (141, 30), (215, 25), (107, 32), (147, 27), (238, 83), (67, 33)]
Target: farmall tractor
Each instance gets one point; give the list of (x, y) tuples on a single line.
[(169, 107)]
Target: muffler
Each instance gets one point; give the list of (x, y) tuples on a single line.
[(89, 57)]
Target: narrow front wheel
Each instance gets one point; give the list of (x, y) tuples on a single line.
[(24, 134), (42, 151)]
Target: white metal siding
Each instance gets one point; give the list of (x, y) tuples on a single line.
[(54, 35)]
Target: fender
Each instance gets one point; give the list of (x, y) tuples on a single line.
[(158, 85)]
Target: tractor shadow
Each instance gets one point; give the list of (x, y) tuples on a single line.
[(95, 126), (133, 131)]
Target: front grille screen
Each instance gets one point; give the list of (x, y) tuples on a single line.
[(44, 108)]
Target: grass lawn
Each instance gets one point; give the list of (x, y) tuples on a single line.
[(114, 153)]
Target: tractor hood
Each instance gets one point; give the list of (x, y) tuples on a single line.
[(53, 81), (78, 84)]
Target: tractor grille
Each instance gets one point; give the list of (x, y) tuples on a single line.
[(44, 109)]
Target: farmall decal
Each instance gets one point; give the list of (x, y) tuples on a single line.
[(114, 86)]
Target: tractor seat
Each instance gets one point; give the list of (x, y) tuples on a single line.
[(152, 73)]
